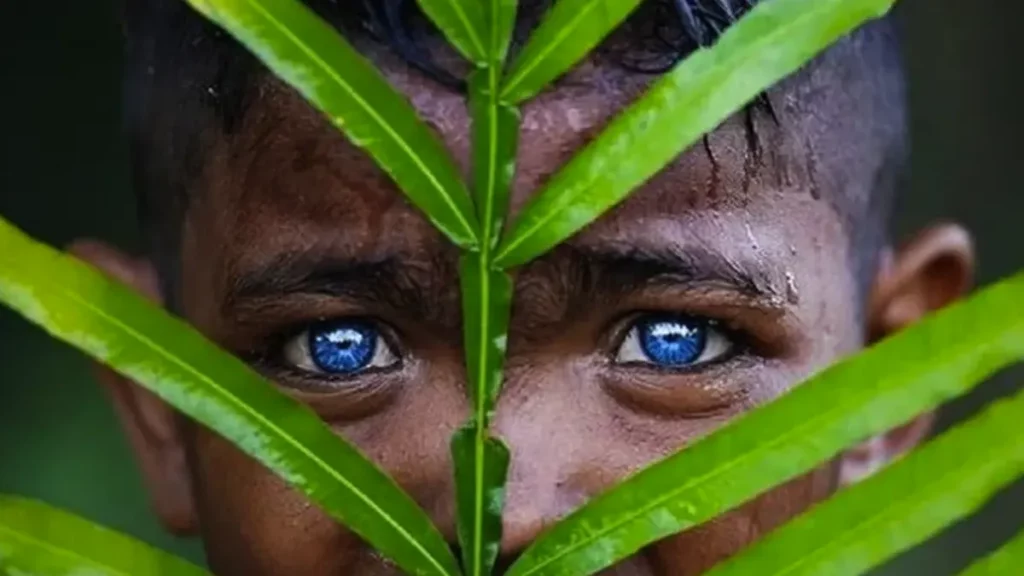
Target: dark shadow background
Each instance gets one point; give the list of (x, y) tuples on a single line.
[(63, 175)]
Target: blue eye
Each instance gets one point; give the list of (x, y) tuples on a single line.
[(672, 341), (344, 347)]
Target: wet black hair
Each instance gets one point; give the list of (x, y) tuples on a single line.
[(184, 76)]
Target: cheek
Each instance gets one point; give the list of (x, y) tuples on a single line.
[(253, 524), (410, 437), (696, 551)]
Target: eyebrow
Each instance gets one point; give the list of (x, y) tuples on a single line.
[(415, 287), (619, 268), (576, 275)]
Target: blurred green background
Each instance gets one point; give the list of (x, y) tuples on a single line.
[(63, 175)]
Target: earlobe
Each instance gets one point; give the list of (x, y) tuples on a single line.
[(151, 425)]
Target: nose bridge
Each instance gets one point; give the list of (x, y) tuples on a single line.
[(541, 487), (536, 495)]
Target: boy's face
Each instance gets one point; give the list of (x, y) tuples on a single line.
[(716, 287)]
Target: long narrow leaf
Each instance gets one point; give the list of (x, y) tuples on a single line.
[(463, 23), (570, 30), (770, 42), (481, 462), (481, 467), (501, 21), (911, 501), (310, 55), (495, 126), (1007, 560), (39, 540), (480, 478), (495, 137), (879, 389), (487, 304), (77, 304)]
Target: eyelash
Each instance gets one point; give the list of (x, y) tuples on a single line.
[(625, 326), (273, 361)]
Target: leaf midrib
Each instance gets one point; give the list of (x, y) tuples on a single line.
[(766, 446), (482, 424), (362, 103), (255, 414), (488, 227)]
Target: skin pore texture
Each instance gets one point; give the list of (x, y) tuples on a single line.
[(290, 225)]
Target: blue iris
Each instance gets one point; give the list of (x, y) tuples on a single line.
[(343, 347), (672, 341)]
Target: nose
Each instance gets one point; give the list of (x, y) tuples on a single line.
[(543, 482), (535, 500)]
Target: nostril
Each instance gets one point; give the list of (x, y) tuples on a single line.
[(505, 561)]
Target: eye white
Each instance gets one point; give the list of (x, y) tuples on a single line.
[(298, 354)]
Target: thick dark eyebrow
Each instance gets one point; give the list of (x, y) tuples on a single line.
[(617, 268), (419, 288), (574, 276), (581, 279)]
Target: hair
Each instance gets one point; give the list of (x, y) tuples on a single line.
[(184, 77)]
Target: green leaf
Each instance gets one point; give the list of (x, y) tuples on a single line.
[(308, 54), (113, 324), (495, 136), (495, 127), (463, 23), (38, 540), (902, 506), (502, 16), (481, 466), (486, 304), (1007, 560), (569, 31), (480, 461), (914, 371), (770, 42)]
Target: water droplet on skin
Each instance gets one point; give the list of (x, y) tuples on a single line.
[(753, 240), (574, 119), (792, 295)]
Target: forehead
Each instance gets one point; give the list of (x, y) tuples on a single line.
[(755, 189)]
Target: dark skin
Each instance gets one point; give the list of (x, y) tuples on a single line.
[(294, 225)]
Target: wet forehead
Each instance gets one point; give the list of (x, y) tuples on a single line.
[(289, 183)]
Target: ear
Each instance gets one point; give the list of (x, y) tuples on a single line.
[(151, 426), (930, 271)]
